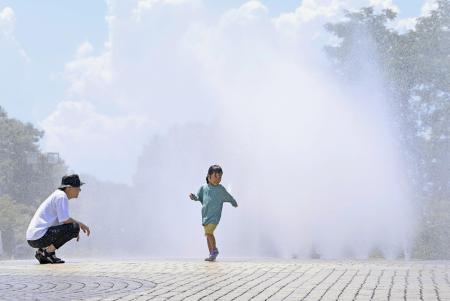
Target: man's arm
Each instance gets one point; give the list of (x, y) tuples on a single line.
[(83, 227)]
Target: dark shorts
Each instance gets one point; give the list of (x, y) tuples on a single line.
[(56, 236)]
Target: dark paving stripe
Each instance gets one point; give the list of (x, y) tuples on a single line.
[(33, 287)]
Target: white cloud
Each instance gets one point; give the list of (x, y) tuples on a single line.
[(248, 12), (7, 28), (90, 141), (428, 6), (165, 72), (84, 50), (171, 64), (143, 72), (145, 5), (88, 74), (311, 10), (149, 4), (7, 20), (328, 10), (384, 4), (406, 24), (403, 25)]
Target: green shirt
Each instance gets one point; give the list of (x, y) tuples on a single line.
[(212, 198)]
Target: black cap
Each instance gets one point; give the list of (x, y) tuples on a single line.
[(72, 180)]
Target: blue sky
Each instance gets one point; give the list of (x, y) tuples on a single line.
[(49, 49), (408, 8), (49, 32)]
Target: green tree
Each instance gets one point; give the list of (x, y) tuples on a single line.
[(14, 219), (415, 71), (26, 174), (27, 177), (430, 101)]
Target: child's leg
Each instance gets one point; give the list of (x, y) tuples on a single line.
[(211, 242), (210, 239)]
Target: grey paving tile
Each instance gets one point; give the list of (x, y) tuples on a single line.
[(226, 280)]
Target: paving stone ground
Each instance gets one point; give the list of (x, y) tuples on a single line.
[(226, 280)]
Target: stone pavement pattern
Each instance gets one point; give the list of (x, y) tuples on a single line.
[(226, 280)]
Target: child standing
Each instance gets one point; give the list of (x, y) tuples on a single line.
[(212, 195)]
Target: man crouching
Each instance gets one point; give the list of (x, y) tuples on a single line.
[(51, 226)]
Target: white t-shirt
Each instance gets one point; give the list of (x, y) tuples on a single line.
[(52, 212)]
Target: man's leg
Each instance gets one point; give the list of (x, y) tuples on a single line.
[(56, 236), (53, 239), (50, 248), (62, 234)]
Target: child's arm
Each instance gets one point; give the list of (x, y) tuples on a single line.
[(229, 198), (198, 196)]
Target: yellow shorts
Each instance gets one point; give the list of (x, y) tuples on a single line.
[(209, 229)]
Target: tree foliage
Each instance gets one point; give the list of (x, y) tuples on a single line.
[(27, 176), (415, 71), (14, 219)]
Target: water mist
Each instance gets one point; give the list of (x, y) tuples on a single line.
[(313, 162)]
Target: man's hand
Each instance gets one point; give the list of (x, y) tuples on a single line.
[(85, 229), (193, 197)]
